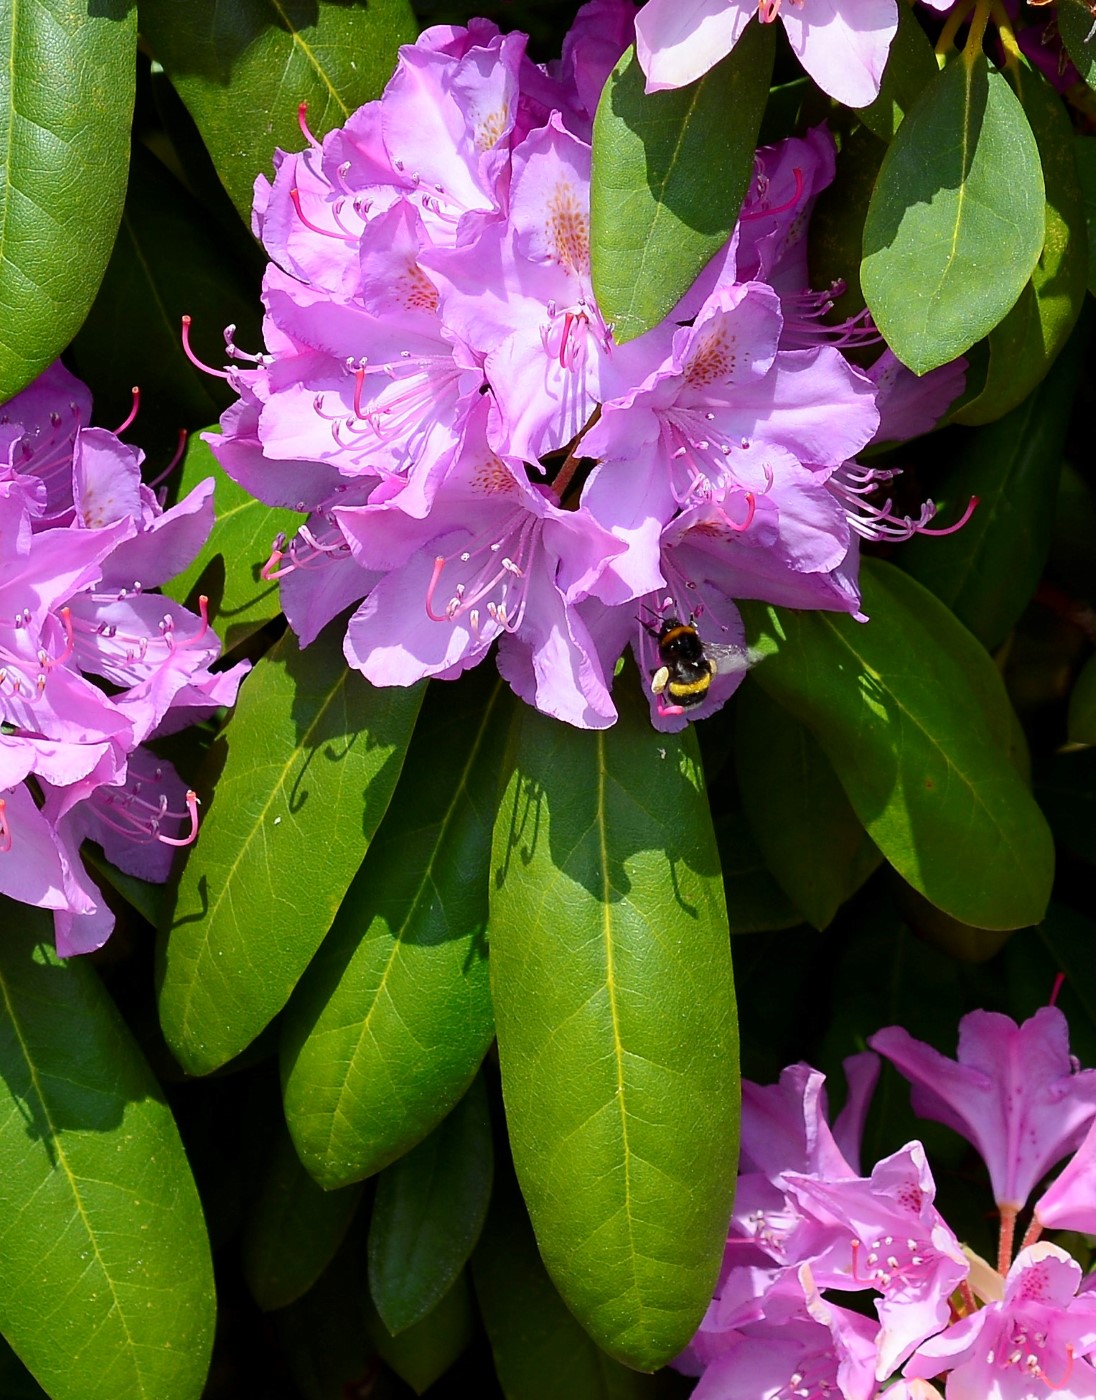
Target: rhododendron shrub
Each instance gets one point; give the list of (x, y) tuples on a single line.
[(607, 663)]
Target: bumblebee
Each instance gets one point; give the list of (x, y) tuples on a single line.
[(687, 665)]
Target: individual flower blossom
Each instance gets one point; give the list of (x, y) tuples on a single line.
[(81, 539), (896, 1241), (1034, 1343), (1069, 1202), (843, 44), (1015, 1092)]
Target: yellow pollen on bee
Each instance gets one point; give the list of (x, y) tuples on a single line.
[(491, 128), (492, 477), (569, 229), (418, 292), (712, 361)]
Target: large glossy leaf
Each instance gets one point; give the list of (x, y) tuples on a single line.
[(670, 172), (243, 67), (1026, 343), (227, 568), (292, 1228), (107, 1287), (540, 1350), (303, 773), (987, 572), (911, 65), (912, 714), (428, 1212), (387, 1030), (610, 973), (66, 100), (167, 262), (956, 222), (812, 839)]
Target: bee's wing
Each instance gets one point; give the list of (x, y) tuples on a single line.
[(726, 659)]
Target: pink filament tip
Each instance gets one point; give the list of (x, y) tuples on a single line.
[(194, 360), (132, 414), (302, 122), (788, 203), (1058, 981), (65, 614), (439, 565), (295, 196), (972, 505), (5, 829), (192, 809)]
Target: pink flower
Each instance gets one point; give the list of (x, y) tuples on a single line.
[(1014, 1092), (1031, 1345), (843, 44)]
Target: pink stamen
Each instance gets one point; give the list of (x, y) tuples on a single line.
[(798, 195), (295, 196), (5, 828), (65, 615), (359, 380), (120, 429), (302, 122), (1059, 1385), (972, 505), (192, 809), (435, 578), (1058, 984), (194, 360)]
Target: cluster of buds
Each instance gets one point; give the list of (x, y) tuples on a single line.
[(482, 465), (92, 664), (807, 1226)]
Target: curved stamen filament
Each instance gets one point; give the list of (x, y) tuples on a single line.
[(132, 414), (295, 196), (194, 360), (302, 122), (796, 172), (972, 505), (5, 828), (192, 811)]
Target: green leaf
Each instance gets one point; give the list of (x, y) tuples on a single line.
[(1077, 26), (292, 1229), (389, 1026), (670, 172), (1084, 157), (1026, 343), (427, 1350), (911, 66), (755, 902), (1082, 706), (243, 67), (227, 568), (614, 1005), (303, 773), (540, 1350), (956, 223), (812, 839), (912, 714), (987, 571), (428, 1213), (166, 262), (107, 1287), (66, 100)]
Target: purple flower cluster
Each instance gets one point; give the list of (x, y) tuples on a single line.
[(92, 665), (481, 462), (807, 1226)]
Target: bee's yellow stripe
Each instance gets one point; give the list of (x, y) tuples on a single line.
[(690, 687)]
